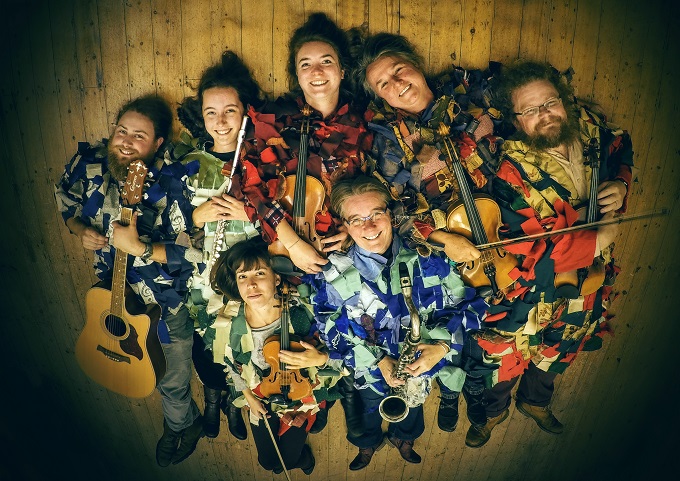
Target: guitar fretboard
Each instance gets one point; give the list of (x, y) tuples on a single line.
[(119, 270)]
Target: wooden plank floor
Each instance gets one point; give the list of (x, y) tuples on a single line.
[(70, 64)]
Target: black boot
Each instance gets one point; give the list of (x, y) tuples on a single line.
[(476, 407), (167, 445), (189, 440), (351, 403), (211, 414), (447, 414), (307, 455), (237, 427)]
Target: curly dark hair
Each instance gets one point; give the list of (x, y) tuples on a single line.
[(232, 72), (317, 28), (249, 253), (380, 45), (155, 108), (519, 74)]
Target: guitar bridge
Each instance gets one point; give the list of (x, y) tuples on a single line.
[(113, 355)]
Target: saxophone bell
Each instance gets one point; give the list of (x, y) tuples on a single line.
[(395, 407)]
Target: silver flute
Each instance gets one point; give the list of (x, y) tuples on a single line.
[(218, 240)]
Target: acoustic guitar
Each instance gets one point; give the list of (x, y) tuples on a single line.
[(119, 346)]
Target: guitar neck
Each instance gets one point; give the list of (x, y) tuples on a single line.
[(119, 270)]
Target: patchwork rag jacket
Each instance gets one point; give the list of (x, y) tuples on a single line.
[(88, 191), (408, 154), (335, 149), (231, 340), (206, 175), (536, 194), (363, 317)]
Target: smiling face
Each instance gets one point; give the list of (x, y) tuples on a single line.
[(133, 138), (257, 286), (549, 127), (319, 72), (399, 84), (376, 234), (222, 114)]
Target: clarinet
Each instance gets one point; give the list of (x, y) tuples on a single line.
[(218, 240), (395, 407)]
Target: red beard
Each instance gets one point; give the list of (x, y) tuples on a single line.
[(118, 166)]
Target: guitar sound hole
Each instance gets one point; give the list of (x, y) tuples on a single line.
[(115, 325)]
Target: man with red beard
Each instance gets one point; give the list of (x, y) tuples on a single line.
[(89, 199), (543, 181)]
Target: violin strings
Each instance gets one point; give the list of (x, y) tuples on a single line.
[(474, 220)]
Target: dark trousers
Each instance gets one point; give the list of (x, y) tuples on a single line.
[(290, 444), (471, 361), (536, 388), (210, 373), (409, 429)]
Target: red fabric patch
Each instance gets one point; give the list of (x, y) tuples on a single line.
[(268, 155), (573, 250), (250, 176), (424, 228), (495, 317), (511, 175)]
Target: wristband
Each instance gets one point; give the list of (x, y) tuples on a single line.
[(444, 346), (291, 246), (148, 252)]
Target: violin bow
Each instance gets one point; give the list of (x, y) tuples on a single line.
[(574, 228), (276, 446)]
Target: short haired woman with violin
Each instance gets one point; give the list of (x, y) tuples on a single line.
[(248, 334)]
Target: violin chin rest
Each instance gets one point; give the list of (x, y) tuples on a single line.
[(284, 266)]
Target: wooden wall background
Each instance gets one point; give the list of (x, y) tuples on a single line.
[(69, 64)]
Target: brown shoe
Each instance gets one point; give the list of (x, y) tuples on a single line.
[(478, 435), (543, 416), (362, 459), (405, 449)]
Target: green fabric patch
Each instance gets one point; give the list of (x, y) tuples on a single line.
[(238, 335), (363, 356), (347, 283), (452, 377), (593, 344), (558, 367), (300, 320)]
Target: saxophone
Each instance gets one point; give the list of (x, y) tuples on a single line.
[(412, 393)]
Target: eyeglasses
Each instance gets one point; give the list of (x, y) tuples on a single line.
[(549, 104), (376, 216)]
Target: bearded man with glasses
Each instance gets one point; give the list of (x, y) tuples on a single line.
[(543, 183)]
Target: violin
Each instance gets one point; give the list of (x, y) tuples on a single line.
[(586, 280), (283, 385), (478, 218), (304, 197)]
